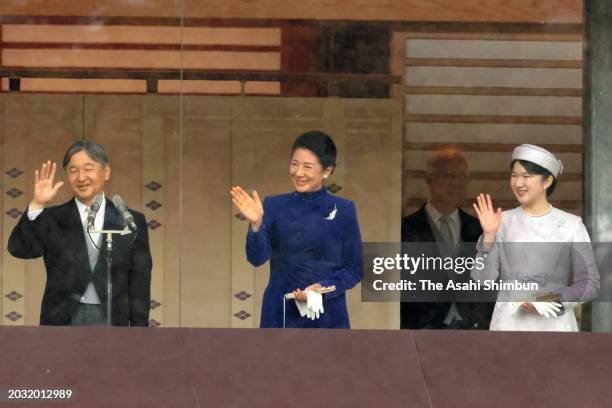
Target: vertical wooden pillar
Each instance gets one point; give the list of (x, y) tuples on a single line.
[(598, 149)]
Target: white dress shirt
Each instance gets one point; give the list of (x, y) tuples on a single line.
[(454, 222)]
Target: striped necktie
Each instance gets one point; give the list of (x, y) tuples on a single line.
[(92, 252)]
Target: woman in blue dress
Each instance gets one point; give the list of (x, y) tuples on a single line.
[(310, 236)]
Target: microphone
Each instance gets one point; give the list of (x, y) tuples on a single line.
[(123, 209), (94, 207)]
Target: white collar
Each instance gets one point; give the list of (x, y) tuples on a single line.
[(435, 214), (83, 208)]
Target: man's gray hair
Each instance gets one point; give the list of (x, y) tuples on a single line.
[(93, 150), (442, 158)]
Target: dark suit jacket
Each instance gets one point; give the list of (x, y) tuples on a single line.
[(57, 235), (431, 315)]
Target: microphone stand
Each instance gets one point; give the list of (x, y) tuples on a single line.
[(109, 263)]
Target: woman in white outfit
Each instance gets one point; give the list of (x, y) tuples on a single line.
[(538, 244)]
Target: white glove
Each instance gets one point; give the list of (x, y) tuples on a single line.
[(303, 309), (315, 303), (515, 306), (547, 309)]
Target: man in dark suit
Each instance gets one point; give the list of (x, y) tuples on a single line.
[(75, 260), (442, 222)]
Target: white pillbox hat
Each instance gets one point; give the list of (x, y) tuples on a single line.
[(539, 156)]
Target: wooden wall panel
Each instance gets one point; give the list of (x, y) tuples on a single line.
[(14, 271), (493, 105), (492, 133), (160, 117), (99, 46), (99, 8), (141, 59), (218, 87), (231, 60), (499, 34), (495, 49), (484, 96), (244, 306), (169, 109), (494, 77), (536, 11), (44, 33), (232, 35), (26, 144), (116, 123), (82, 85), (206, 253), (371, 157)]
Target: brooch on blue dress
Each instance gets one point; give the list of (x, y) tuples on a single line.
[(332, 214)]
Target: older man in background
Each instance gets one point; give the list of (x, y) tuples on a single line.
[(443, 222)]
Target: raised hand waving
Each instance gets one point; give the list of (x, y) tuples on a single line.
[(250, 206), (490, 219), (44, 189)]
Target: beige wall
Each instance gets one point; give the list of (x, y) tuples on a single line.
[(195, 148), (26, 143), (533, 11)]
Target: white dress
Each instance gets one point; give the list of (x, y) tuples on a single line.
[(552, 250)]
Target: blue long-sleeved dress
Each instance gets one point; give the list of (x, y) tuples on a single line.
[(308, 238)]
